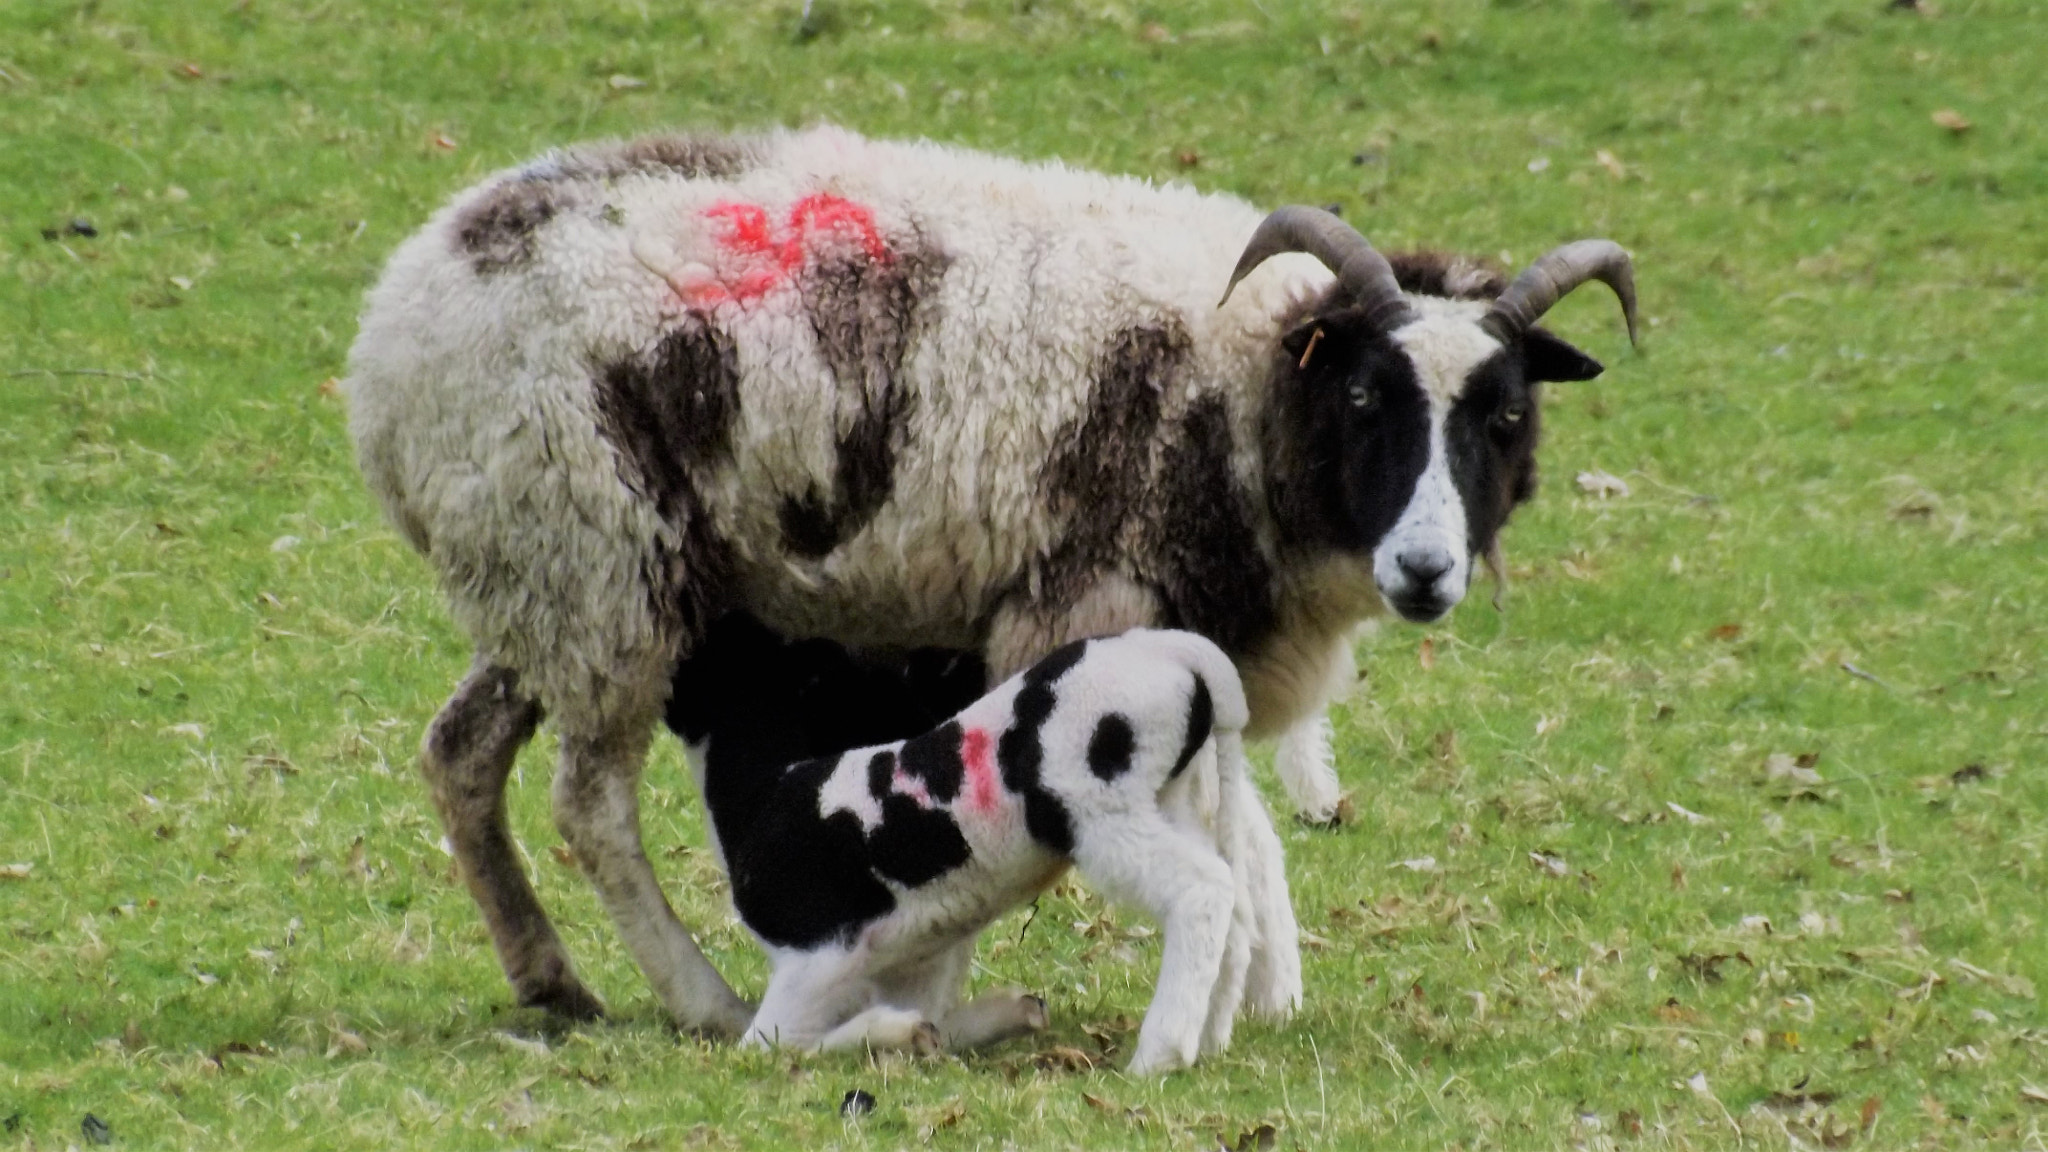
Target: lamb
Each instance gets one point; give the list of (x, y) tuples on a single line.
[(867, 874), (903, 395)]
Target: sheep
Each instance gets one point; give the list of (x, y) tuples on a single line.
[(902, 395), (866, 874)]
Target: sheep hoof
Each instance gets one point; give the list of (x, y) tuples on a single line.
[(925, 1041), (567, 1000), (1037, 1017)]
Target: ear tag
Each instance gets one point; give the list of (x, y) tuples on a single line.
[(1314, 338)]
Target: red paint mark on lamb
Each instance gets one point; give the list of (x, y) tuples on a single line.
[(768, 255), (914, 789), (983, 794)]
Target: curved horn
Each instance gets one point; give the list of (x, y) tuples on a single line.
[(1555, 274), (1359, 268)]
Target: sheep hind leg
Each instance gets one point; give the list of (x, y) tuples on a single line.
[(597, 809), (1186, 886), (466, 757)]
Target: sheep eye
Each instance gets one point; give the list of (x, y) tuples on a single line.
[(1513, 413), (1364, 398)]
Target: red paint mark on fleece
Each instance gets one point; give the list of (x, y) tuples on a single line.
[(982, 793), (768, 256), (914, 789)]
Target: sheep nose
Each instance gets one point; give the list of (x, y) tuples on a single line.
[(1422, 566)]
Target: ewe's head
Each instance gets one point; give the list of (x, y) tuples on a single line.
[(1423, 409)]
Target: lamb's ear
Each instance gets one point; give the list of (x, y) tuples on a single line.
[(1549, 358)]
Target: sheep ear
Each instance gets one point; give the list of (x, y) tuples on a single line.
[(1549, 358), (1296, 341)]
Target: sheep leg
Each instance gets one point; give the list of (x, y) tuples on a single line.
[(932, 987), (466, 757), (1307, 768), (819, 999), (993, 1017), (1273, 983), (1186, 886), (597, 809)]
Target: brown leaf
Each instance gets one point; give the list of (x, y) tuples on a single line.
[(1259, 1139), (1189, 158), (330, 387), (16, 871), (1678, 877), (2028, 1093), (191, 71), (444, 142), (1061, 1058), (1427, 653), (1630, 1121), (1614, 166), (1952, 120), (1725, 631), (1868, 1113), (562, 855), (1099, 1104)]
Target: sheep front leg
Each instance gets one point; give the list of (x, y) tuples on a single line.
[(1187, 887), (1306, 765), (466, 757), (597, 809)]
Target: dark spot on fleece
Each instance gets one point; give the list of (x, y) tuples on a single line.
[(1427, 272), (933, 759), (881, 773), (1110, 748), (799, 880), (914, 845), (1021, 753), (1212, 576), (1100, 469), (1201, 721), (496, 229), (690, 156), (669, 412), (867, 315)]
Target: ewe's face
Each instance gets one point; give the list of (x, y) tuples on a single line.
[(1438, 442)]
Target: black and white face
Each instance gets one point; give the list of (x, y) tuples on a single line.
[(1437, 429)]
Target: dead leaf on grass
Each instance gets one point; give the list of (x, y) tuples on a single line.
[(1062, 1058), (1599, 483), (16, 871), (1259, 1139), (1613, 164), (1426, 653), (1951, 120)]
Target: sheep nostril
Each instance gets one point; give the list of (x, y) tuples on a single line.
[(1424, 566)]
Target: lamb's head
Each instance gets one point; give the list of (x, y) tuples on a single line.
[(1419, 411)]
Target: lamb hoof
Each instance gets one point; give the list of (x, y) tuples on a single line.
[(567, 1000), (925, 1041), (1037, 1017), (1338, 815)]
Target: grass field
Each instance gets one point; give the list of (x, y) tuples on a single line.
[(1591, 897)]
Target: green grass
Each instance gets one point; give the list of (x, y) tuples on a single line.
[(215, 660)]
